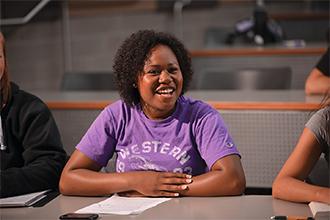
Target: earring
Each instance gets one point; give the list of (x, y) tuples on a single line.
[(134, 85)]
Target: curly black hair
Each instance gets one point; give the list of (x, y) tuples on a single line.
[(132, 54)]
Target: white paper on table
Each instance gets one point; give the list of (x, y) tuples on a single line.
[(318, 207), (123, 205)]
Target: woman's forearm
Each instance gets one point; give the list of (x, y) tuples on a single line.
[(289, 188), (216, 183), (148, 183), (90, 183)]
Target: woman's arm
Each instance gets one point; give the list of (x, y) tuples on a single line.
[(225, 178), (81, 177), (289, 184)]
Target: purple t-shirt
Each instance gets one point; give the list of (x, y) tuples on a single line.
[(189, 141)]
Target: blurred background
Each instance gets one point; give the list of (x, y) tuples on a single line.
[(55, 46), (48, 39)]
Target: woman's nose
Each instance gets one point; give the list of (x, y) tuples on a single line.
[(165, 77)]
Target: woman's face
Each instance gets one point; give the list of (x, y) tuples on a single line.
[(160, 83)]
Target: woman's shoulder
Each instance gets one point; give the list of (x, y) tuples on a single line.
[(324, 115), (321, 115), (25, 100), (119, 110), (320, 119), (325, 112), (115, 105), (197, 106), (119, 106)]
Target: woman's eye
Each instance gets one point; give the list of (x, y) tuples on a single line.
[(154, 71), (172, 70)]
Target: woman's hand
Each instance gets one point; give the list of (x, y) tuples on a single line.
[(151, 183)]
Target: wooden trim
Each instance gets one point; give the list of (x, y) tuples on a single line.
[(319, 15), (258, 52), (299, 106), (264, 106), (78, 105)]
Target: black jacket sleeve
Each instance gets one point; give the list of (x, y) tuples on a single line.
[(42, 153), (323, 64)]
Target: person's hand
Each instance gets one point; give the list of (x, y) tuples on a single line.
[(151, 183)]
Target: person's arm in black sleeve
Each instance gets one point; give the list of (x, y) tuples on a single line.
[(318, 81), (43, 154)]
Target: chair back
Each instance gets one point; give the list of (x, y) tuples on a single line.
[(88, 81), (216, 37), (245, 79)]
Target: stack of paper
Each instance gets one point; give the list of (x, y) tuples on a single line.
[(23, 200), (317, 207), (122, 205)]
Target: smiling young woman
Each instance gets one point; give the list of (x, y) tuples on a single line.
[(160, 83), (167, 144)]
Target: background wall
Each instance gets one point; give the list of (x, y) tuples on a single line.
[(84, 36)]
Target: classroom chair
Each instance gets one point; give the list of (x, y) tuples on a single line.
[(244, 79), (100, 81)]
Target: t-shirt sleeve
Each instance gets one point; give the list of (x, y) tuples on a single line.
[(318, 124), (99, 142), (213, 139), (323, 64)]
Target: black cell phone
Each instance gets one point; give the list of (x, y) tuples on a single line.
[(89, 216)]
